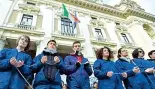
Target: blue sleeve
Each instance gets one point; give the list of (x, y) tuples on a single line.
[(4, 63), (25, 69), (121, 68), (69, 68), (37, 65), (143, 65), (97, 71), (89, 70), (60, 65)]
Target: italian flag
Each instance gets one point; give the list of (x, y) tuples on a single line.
[(69, 15)]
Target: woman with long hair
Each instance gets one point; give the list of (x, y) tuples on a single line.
[(106, 72), (14, 63)]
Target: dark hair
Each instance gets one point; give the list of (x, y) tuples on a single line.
[(28, 44), (100, 53), (119, 51), (150, 53), (51, 41), (135, 53), (75, 42)]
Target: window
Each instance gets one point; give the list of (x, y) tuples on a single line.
[(30, 3), (67, 27), (117, 23), (125, 38), (93, 18), (26, 20), (98, 34)]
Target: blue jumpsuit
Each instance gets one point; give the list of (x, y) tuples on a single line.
[(151, 76), (134, 81), (40, 81), (9, 76), (101, 67), (77, 78)]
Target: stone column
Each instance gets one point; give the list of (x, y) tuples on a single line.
[(140, 36)]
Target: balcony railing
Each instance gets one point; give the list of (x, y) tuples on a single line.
[(68, 34), (100, 38), (128, 44), (25, 27)]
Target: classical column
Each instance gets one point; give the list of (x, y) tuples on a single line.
[(140, 36)]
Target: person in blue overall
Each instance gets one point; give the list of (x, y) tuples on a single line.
[(151, 75), (135, 79), (106, 72), (144, 66), (12, 61), (47, 67), (77, 69)]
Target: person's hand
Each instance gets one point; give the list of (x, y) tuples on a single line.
[(56, 59), (149, 70), (19, 63), (86, 64), (136, 70), (44, 59), (124, 74), (109, 74), (13, 61), (78, 64)]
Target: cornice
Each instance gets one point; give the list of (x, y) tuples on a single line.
[(109, 9)]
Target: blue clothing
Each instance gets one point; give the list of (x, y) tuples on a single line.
[(41, 82), (134, 81), (10, 78), (77, 78), (101, 67), (151, 76)]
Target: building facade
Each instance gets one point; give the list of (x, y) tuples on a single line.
[(124, 25)]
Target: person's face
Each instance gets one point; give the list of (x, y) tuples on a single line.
[(23, 42), (140, 53), (152, 55), (77, 47), (105, 53), (95, 86), (124, 53), (64, 87), (51, 45)]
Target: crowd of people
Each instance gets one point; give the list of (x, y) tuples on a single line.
[(19, 71)]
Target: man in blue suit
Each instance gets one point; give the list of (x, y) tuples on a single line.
[(77, 69), (47, 66)]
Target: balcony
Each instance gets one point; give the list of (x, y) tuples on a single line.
[(68, 36), (101, 41), (129, 45), (25, 27)]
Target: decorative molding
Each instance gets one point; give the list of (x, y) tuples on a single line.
[(129, 45), (103, 43), (29, 8)]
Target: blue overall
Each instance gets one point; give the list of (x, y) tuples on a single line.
[(9, 76), (77, 78)]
